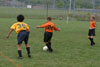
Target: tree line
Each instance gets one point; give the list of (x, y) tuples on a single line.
[(65, 3)]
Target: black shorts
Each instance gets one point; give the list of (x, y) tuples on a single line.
[(91, 32), (23, 36), (47, 36)]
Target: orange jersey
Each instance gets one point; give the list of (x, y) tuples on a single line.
[(92, 24), (49, 27)]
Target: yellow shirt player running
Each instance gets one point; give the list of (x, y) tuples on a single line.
[(22, 29)]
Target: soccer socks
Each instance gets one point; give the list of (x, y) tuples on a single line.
[(50, 44), (92, 42), (49, 47), (20, 53), (28, 52)]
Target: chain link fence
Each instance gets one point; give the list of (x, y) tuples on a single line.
[(40, 9)]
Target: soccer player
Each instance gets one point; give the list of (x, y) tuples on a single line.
[(49, 27), (91, 32), (22, 29)]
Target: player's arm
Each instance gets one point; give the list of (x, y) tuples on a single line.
[(12, 28), (10, 31), (41, 26), (56, 29), (94, 24), (28, 29)]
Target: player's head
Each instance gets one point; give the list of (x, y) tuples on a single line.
[(92, 18), (49, 18), (20, 18)]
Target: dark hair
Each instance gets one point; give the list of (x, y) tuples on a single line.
[(20, 18), (49, 18), (93, 17)]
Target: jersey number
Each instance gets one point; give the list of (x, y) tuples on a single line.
[(50, 27), (21, 25)]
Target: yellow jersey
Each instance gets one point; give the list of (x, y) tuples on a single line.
[(19, 26)]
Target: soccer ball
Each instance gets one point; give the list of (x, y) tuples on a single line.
[(45, 48)]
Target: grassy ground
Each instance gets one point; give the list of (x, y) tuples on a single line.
[(42, 13), (30, 13), (71, 46)]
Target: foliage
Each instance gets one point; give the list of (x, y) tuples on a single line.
[(60, 4), (83, 3), (65, 3)]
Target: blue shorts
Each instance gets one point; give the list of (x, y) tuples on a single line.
[(23, 36)]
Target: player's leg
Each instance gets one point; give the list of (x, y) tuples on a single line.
[(28, 50), (49, 47), (20, 38), (27, 45), (50, 37), (19, 51), (93, 37), (91, 34), (50, 43), (92, 40), (47, 39)]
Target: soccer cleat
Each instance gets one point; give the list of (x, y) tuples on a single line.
[(29, 55), (92, 44), (50, 50)]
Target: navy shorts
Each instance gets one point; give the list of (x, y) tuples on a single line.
[(47, 36), (23, 36), (91, 32)]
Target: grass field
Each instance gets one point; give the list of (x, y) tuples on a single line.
[(58, 14), (71, 46), (30, 13)]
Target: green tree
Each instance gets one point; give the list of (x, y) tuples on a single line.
[(60, 4), (83, 3)]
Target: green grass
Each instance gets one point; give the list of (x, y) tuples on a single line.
[(30, 13), (71, 45), (42, 13)]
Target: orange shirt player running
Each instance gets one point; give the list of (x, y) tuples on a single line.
[(49, 27)]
